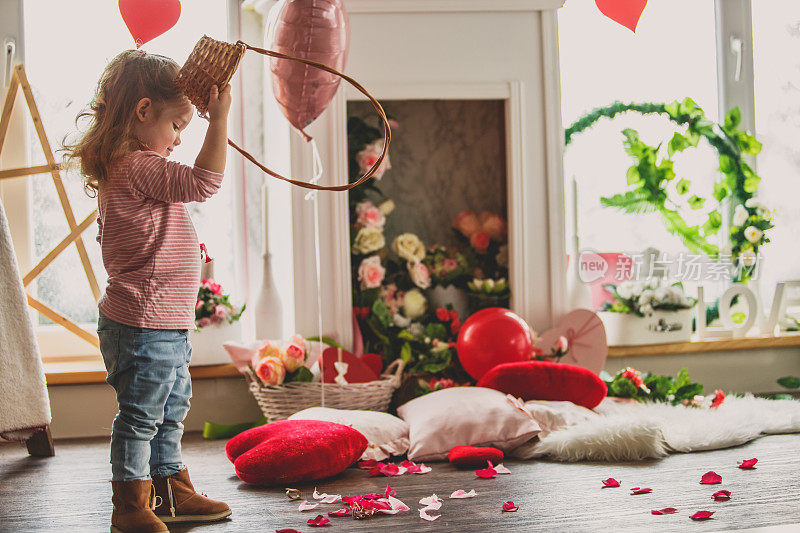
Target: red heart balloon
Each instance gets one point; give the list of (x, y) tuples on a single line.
[(626, 12), (147, 19)]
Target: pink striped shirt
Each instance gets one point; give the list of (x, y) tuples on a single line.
[(150, 248)]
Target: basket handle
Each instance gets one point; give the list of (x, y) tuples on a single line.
[(398, 365), (386, 129)]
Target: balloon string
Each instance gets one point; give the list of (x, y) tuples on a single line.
[(314, 197)]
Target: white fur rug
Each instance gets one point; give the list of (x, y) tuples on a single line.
[(623, 431)]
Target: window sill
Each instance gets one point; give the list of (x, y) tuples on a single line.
[(787, 340), (80, 371), (87, 370)]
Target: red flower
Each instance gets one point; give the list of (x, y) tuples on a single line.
[(453, 315), (442, 314), (480, 241), (634, 376), (455, 325), (719, 397)]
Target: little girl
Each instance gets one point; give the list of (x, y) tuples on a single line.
[(152, 257)]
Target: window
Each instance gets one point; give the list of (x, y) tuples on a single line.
[(776, 50), (63, 77)]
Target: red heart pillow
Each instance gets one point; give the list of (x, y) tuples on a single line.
[(290, 451), (357, 370), (374, 362), (474, 456), (546, 380)]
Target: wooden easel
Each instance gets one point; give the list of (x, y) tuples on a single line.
[(41, 442)]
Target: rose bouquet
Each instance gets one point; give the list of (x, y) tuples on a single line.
[(749, 225), (274, 364), (447, 266), (642, 298), (213, 307)]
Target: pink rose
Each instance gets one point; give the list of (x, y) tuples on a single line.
[(367, 157), (562, 345), (213, 287), (203, 322), (448, 265), (294, 353), (221, 311), (369, 216), (493, 225), (467, 223), (480, 241), (420, 274), (270, 370), (371, 273), (198, 304)]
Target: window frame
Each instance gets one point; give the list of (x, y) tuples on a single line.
[(55, 342)]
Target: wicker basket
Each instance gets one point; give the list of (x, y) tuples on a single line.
[(278, 402)]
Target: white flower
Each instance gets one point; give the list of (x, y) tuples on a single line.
[(625, 289), (409, 247), (368, 240), (753, 203), (747, 258), (740, 215), (400, 321), (414, 304), (386, 206), (663, 294), (419, 274), (646, 309), (416, 329), (753, 234), (647, 296)]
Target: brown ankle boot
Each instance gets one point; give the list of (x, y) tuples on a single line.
[(132, 508), (180, 503)]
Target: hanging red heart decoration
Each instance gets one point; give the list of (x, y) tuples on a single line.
[(147, 19), (625, 12)]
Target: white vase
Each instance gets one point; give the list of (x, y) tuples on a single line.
[(207, 343), (268, 312), (441, 296), (626, 329)]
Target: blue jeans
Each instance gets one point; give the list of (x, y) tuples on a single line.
[(149, 369)]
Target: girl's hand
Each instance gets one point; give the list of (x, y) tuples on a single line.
[(219, 103)]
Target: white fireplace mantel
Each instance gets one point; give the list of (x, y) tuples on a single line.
[(441, 49)]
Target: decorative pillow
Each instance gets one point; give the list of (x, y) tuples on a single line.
[(386, 434), (357, 370), (546, 380), (473, 456), (473, 416), (290, 451)]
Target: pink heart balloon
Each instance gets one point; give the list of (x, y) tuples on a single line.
[(586, 338), (147, 19), (625, 12), (318, 30)]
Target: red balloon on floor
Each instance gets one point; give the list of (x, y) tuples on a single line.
[(493, 336)]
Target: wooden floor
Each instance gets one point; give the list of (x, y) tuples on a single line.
[(71, 492)]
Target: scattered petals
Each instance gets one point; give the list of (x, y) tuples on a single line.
[(721, 495), (638, 490), (748, 464), (433, 503), (510, 507), (305, 506), (389, 470), (500, 469), (610, 482), (318, 521), (331, 498), (317, 495), (711, 478), (488, 472), (423, 513), (702, 515), (415, 468), (463, 494), (344, 511), (373, 496), (288, 530), (397, 504), (667, 510), (369, 464), (389, 492)]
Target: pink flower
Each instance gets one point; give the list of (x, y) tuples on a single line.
[(198, 305), (221, 311), (270, 370), (449, 265), (493, 225), (562, 345), (213, 287), (419, 274), (294, 353), (480, 241), (394, 124), (369, 216), (367, 157), (371, 273), (203, 322), (467, 223), (634, 376), (719, 397)]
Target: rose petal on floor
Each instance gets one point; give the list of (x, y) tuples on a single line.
[(702, 515), (369, 464), (331, 498), (487, 472), (710, 478), (666, 510), (423, 513), (500, 469), (748, 464), (640, 490), (344, 511), (610, 482), (510, 507), (305, 506), (434, 503), (460, 493), (319, 520), (721, 495)]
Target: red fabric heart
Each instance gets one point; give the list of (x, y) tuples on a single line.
[(147, 19), (474, 456), (625, 12), (290, 451), (546, 380), (357, 370), (374, 362)]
